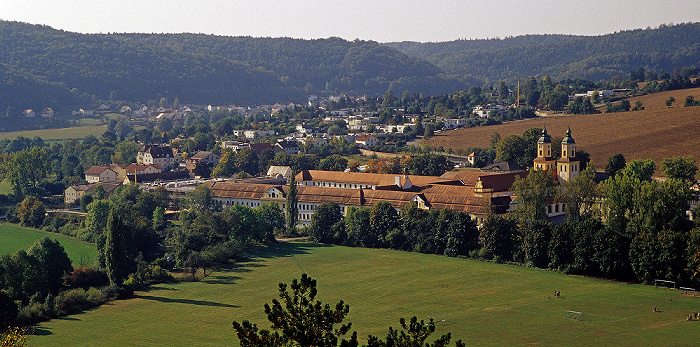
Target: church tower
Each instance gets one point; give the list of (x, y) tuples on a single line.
[(544, 160), (567, 165)]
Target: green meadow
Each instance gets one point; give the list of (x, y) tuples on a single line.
[(479, 302), (14, 238)]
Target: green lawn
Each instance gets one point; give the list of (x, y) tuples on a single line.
[(55, 135), (480, 303), (14, 238)]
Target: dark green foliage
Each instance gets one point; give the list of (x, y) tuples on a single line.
[(614, 164), (53, 264), (623, 106), (201, 68), (333, 163), (429, 165), (498, 237), (115, 247), (326, 223), (8, 310), (300, 319), (412, 334), (292, 210), (561, 56)]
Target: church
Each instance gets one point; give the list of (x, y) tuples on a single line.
[(565, 168)]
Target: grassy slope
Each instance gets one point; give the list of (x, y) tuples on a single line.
[(657, 132), (481, 303), (14, 238), (58, 134)]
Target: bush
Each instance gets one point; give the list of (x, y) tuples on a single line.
[(86, 277), (114, 292), (79, 299)]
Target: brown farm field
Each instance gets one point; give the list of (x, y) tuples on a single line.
[(657, 132)]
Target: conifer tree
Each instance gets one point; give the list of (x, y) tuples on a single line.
[(292, 209)]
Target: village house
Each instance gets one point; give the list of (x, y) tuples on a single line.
[(47, 112), (102, 173), (366, 141), (73, 193), (161, 155), (288, 146), (202, 158)]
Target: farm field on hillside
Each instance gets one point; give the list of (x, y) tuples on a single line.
[(657, 132), (55, 135), (14, 238), (478, 302)]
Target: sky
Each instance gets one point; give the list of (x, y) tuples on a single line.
[(382, 21)]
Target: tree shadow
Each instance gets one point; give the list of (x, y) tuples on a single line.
[(41, 331), (255, 256), (220, 279), (156, 287), (184, 301)]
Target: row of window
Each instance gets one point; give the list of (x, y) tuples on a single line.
[(340, 185)]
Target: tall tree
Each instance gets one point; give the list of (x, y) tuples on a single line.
[(115, 248), (292, 211), (325, 222), (54, 264), (533, 194)]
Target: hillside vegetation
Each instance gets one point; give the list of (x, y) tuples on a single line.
[(43, 67), (480, 303), (595, 58), (199, 68), (657, 132)]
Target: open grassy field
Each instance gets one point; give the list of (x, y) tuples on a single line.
[(56, 135), (480, 303), (657, 132), (14, 238)]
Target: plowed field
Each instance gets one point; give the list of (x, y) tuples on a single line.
[(657, 132)]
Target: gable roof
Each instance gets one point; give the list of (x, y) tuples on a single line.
[(158, 151), (98, 169), (164, 176), (502, 166)]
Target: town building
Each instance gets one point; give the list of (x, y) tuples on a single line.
[(161, 155), (73, 193)]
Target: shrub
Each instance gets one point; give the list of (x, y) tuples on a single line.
[(114, 292), (85, 277), (79, 299)]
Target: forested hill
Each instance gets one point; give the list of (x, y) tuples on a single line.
[(202, 68), (591, 57)]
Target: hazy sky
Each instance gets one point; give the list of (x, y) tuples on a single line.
[(383, 21)]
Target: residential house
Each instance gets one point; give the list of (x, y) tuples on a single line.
[(288, 146), (102, 173), (234, 145), (73, 193), (29, 113), (47, 112), (161, 155), (366, 141), (202, 158)]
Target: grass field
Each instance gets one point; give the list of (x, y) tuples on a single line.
[(56, 135), (14, 238), (657, 132), (480, 303)]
